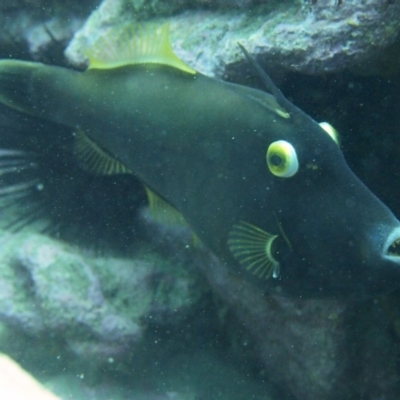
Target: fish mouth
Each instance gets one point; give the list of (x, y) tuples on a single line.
[(391, 249)]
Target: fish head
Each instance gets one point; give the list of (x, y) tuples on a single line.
[(317, 230), (340, 239)]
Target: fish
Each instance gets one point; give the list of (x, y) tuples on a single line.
[(260, 183)]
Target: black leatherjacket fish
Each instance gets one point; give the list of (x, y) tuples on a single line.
[(259, 182)]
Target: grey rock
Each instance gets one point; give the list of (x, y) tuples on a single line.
[(309, 37), (100, 306), (40, 29)]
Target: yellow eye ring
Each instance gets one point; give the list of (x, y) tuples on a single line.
[(282, 159)]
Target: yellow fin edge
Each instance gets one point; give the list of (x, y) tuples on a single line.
[(129, 44), (162, 211)]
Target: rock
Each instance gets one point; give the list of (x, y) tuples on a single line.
[(309, 37), (117, 311), (40, 29), (137, 328), (100, 306)]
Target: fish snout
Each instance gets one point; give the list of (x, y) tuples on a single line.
[(391, 248)]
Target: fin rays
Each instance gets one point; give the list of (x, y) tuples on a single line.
[(252, 247), (16, 186), (162, 211), (94, 159), (135, 44)]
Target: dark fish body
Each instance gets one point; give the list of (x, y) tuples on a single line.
[(201, 145)]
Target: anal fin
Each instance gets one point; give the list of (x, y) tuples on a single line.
[(162, 211)]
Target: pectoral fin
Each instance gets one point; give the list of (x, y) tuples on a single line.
[(252, 247)]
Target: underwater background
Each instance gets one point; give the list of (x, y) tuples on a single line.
[(98, 300)]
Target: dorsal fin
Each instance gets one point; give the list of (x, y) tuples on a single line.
[(94, 159), (269, 101), (165, 213), (287, 106), (130, 44)]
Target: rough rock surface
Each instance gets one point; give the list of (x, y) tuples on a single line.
[(100, 328), (100, 307), (310, 37), (40, 29)]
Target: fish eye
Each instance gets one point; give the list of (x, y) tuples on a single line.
[(282, 159), (331, 131)]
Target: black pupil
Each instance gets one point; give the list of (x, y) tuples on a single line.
[(276, 160)]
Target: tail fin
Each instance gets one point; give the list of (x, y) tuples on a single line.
[(16, 84)]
